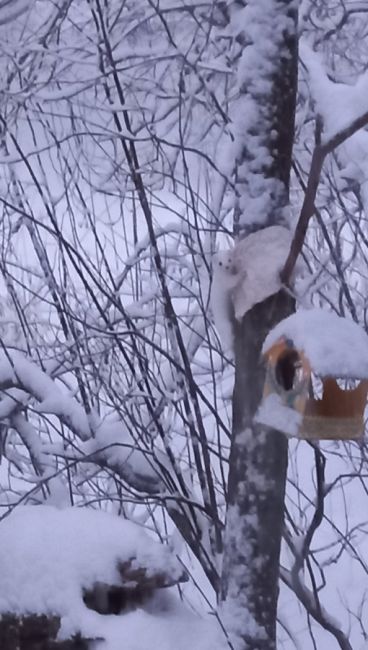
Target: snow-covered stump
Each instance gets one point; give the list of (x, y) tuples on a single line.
[(35, 633), (64, 573)]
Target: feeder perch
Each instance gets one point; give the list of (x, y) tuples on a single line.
[(337, 413)]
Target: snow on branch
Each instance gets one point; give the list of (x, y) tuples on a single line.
[(109, 444), (327, 139), (18, 372), (114, 447), (314, 608), (12, 9)]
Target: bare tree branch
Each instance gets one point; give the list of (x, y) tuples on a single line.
[(318, 157)]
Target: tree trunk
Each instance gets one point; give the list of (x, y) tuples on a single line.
[(258, 457), (256, 489)]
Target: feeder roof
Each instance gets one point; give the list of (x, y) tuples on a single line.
[(334, 346)]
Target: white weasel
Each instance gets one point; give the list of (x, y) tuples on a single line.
[(246, 275), (225, 279)]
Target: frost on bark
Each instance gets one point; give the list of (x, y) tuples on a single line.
[(258, 459), (256, 488), (263, 116)]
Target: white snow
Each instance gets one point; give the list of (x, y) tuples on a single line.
[(111, 441), (338, 103), (263, 25), (259, 259), (166, 625), (334, 346), (236, 612), (48, 556), (116, 447), (18, 371), (273, 413), (246, 275), (9, 11)]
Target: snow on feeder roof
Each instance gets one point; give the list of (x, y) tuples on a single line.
[(330, 347), (334, 346)]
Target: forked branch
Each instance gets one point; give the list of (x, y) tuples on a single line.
[(319, 154)]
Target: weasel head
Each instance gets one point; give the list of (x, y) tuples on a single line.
[(225, 269), (224, 262)]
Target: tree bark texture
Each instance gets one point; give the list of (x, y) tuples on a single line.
[(265, 114), (256, 489), (258, 457)]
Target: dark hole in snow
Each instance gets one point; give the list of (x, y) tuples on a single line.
[(289, 369), (108, 599)]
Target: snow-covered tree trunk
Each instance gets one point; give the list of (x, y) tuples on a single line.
[(258, 460)]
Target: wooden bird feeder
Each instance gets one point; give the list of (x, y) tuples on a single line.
[(337, 413)]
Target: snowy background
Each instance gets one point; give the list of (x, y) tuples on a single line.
[(115, 379)]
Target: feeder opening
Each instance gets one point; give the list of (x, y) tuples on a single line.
[(289, 370)]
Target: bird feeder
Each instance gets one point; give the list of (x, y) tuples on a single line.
[(337, 360)]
